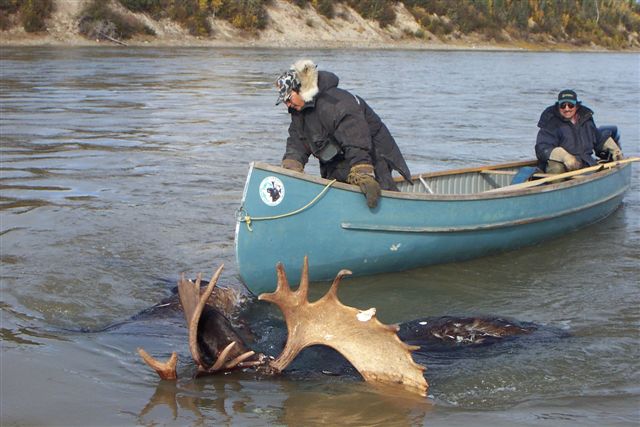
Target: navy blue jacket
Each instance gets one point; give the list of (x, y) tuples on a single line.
[(342, 130), (580, 139)]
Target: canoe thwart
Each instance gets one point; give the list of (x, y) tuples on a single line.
[(426, 186)]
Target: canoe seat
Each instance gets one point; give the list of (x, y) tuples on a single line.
[(523, 174)]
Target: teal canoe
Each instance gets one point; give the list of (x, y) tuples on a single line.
[(437, 218)]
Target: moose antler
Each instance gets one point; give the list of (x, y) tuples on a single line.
[(206, 338), (371, 347), (166, 370), (193, 304)]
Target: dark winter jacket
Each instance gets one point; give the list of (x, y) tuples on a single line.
[(580, 139), (341, 130)]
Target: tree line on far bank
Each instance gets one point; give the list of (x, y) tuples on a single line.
[(613, 24)]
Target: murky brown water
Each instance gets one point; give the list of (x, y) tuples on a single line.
[(121, 168)]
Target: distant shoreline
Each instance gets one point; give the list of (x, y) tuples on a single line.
[(29, 40)]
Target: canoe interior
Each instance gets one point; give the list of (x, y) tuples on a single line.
[(464, 182)]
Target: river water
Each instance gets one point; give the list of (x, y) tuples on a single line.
[(122, 167)]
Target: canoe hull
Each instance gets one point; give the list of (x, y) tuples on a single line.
[(338, 231)]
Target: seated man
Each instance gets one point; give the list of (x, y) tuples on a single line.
[(568, 136), (351, 142)]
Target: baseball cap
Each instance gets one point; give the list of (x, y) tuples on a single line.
[(567, 95)]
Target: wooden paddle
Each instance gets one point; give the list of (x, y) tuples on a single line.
[(551, 178)]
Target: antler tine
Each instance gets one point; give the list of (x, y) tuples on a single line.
[(283, 282), (212, 283), (413, 348), (333, 291), (188, 299), (303, 289), (251, 363), (238, 360), (283, 293), (222, 361), (166, 370), (282, 287), (222, 357), (193, 303)]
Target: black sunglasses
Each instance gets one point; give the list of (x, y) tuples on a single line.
[(568, 105)]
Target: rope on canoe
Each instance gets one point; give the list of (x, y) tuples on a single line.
[(248, 219)]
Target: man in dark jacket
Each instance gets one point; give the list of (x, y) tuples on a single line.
[(568, 136), (351, 142)]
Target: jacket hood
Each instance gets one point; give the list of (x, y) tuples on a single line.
[(327, 80)]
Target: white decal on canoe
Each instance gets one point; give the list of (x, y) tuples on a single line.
[(271, 191), (395, 247)]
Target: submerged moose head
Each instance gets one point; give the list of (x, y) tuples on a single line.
[(358, 335)]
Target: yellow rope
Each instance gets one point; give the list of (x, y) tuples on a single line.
[(247, 218)]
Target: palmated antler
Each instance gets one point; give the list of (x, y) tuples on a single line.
[(213, 343), (373, 348)]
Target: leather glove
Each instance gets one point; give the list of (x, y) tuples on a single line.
[(294, 165), (613, 149), (555, 168), (362, 175), (561, 155)]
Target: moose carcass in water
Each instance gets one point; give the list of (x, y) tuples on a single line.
[(357, 335)]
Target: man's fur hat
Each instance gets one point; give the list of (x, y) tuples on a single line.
[(307, 73)]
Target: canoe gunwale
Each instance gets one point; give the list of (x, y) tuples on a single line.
[(579, 180)]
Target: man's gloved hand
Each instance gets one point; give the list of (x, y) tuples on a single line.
[(561, 155), (613, 149), (363, 176), (554, 168), (294, 165)]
